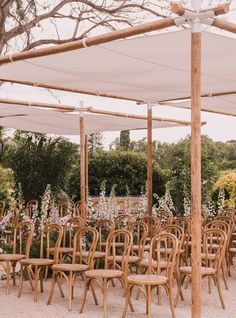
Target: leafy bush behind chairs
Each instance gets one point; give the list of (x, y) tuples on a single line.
[(121, 168), (38, 160)]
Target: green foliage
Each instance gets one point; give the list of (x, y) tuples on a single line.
[(228, 184), (94, 142), (181, 170), (226, 153), (121, 168), (7, 184), (38, 160), (124, 140)]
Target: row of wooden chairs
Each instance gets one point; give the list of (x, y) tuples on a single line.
[(166, 251)]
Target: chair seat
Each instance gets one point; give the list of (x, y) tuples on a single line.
[(145, 263), (118, 258), (204, 270), (96, 255), (147, 279), (70, 267), (63, 250), (11, 257), (117, 244), (146, 247), (210, 256), (37, 261), (103, 273)]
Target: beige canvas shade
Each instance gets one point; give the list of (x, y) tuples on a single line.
[(147, 68), (47, 121), (223, 104)]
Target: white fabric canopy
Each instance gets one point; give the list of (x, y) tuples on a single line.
[(225, 104), (47, 121), (148, 68)]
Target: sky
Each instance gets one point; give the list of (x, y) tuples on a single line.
[(218, 127)]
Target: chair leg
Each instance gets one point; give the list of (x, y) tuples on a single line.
[(36, 278), (86, 287), (148, 301), (70, 283), (169, 292), (59, 283), (41, 281), (8, 276), (21, 280), (94, 293), (217, 280), (54, 279), (105, 292), (14, 273), (224, 275), (127, 301)]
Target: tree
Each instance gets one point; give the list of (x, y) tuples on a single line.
[(94, 142), (27, 24), (180, 170), (124, 140), (38, 160)]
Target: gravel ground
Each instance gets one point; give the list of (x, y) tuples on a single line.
[(13, 307)]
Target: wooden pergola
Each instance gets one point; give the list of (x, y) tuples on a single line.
[(195, 17)]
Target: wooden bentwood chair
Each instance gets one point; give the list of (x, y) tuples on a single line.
[(112, 268), (147, 282), (213, 250), (23, 234), (85, 240), (34, 267)]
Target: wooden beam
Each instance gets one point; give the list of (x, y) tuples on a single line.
[(215, 94), (196, 173), (202, 109), (224, 25), (92, 41), (82, 168), (178, 9), (149, 158), (134, 116), (36, 104), (90, 109), (67, 89)]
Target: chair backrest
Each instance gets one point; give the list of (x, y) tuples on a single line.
[(227, 214), (122, 221), (213, 242), (113, 249), (218, 224), (177, 231), (63, 208), (184, 222), (139, 232), (70, 228), (85, 240), (165, 217), (104, 228), (31, 206), (51, 237), (159, 244), (23, 235), (153, 223)]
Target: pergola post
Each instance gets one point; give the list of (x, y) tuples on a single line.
[(86, 168), (196, 162), (149, 157), (82, 166)]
